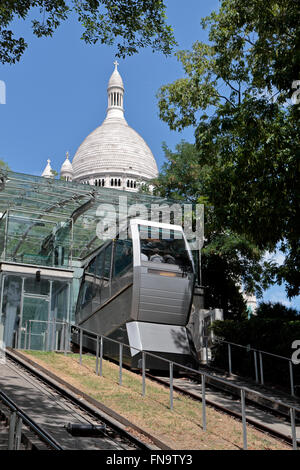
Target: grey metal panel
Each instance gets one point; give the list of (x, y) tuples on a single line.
[(111, 317), (155, 281), (172, 302), (163, 293), (163, 318), (157, 338), (164, 299), (150, 303)]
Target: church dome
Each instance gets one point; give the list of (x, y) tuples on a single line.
[(114, 148)]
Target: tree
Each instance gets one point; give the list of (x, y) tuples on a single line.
[(228, 259), (273, 329), (3, 165), (237, 94), (277, 311), (132, 24)]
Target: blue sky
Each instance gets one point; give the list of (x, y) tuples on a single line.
[(57, 95)]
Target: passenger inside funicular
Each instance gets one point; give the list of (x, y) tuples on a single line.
[(164, 246)]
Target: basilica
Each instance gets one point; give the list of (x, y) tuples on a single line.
[(113, 155)]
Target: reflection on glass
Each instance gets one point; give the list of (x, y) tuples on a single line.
[(123, 256), (164, 246), (32, 286), (11, 308), (35, 322)]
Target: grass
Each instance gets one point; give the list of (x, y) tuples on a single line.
[(179, 429)]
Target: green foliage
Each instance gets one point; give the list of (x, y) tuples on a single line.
[(236, 93), (277, 311), (131, 24), (273, 330), (3, 165), (228, 259)]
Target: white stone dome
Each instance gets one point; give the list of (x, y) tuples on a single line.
[(67, 165), (66, 170), (114, 148)]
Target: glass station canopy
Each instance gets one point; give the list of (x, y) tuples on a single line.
[(50, 222), (54, 225)]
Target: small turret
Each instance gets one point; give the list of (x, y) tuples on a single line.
[(47, 173), (66, 170), (115, 95)]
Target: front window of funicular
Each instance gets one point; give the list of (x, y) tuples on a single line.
[(164, 246)]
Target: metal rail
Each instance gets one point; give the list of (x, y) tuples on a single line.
[(291, 409), (17, 418), (260, 354)]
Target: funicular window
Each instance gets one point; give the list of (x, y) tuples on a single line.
[(123, 256), (99, 264), (107, 261), (91, 269), (159, 245)]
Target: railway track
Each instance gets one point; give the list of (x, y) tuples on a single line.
[(53, 410), (270, 420), (258, 416), (261, 417)]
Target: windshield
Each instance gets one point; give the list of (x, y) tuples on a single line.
[(164, 246)]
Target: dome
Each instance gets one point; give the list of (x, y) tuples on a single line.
[(114, 148), (47, 173), (67, 165), (66, 170)]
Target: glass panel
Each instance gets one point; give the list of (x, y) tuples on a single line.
[(35, 334), (59, 301), (40, 211), (10, 315), (164, 246), (32, 286), (85, 299), (2, 233), (123, 256), (107, 261)]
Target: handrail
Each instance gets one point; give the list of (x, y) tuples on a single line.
[(249, 348), (29, 422), (205, 373)]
